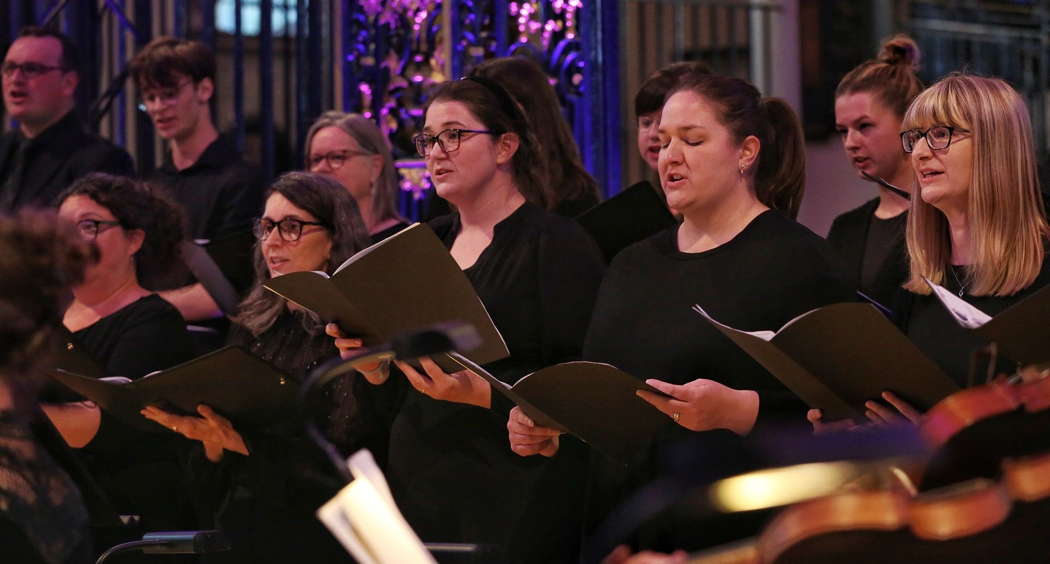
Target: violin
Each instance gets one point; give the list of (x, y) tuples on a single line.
[(973, 430)]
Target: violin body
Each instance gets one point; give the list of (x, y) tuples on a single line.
[(974, 430)]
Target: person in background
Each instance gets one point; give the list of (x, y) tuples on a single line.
[(870, 102), (42, 514), (649, 100), (352, 150), (570, 190), (203, 171), (50, 148)]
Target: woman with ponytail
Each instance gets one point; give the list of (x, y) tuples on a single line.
[(731, 163), (870, 102)]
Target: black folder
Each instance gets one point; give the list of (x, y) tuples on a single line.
[(401, 284), (234, 382), (626, 218), (837, 357)]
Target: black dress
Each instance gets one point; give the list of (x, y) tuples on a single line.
[(772, 271), (381, 235), (451, 470), (265, 502), (873, 250), (42, 516)]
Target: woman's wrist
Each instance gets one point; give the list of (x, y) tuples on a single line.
[(742, 412)]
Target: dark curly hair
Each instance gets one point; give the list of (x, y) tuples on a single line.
[(137, 205), (40, 259), (334, 207)]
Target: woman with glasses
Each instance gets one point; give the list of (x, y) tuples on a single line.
[(261, 486), (870, 102), (537, 274), (977, 226), (351, 149), (129, 331)]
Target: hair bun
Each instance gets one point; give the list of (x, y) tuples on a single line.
[(900, 50)]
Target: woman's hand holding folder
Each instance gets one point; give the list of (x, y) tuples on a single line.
[(463, 386), (527, 438), (214, 431), (376, 373)]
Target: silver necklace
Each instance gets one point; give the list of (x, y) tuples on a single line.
[(962, 287)]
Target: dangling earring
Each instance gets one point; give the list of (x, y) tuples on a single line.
[(741, 169)]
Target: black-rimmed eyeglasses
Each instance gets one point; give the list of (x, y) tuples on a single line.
[(937, 137), (90, 228), (449, 140), (29, 70), (290, 229)]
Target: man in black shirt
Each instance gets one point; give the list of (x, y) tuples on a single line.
[(202, 170), (51, 147)]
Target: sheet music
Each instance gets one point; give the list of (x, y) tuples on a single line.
[(964, 313)]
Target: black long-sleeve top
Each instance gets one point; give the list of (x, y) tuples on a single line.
[(451, 469), (873, 250), (139, 471), (769, 273), (220, 194)]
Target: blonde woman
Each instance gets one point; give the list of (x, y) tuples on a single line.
[(978, 225)]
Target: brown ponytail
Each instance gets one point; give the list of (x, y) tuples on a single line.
[(781, 176), (891, 76)]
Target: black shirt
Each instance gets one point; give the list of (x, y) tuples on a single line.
[(139, 471), (769, 273), (33, 172), (932, 329), (873, 250), (451, 469), (220, 193), (144, 336)]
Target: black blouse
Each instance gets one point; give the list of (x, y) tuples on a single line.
[(771, 272), (451, 469), (873, 250)]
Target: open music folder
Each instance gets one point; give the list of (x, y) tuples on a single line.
[(837, 357), (236, 383), (1021, 332), (400, 284), (593, 401)]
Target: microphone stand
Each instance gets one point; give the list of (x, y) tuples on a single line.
[(439, 339)]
